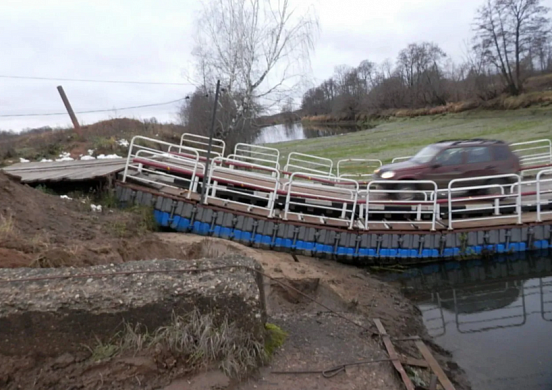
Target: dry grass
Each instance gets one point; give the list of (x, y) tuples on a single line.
[(196, 338), (504, 102), (40, 242), (101, 136), (7, 225)]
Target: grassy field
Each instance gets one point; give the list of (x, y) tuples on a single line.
[(404, 137)]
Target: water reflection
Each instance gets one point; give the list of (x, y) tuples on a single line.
[(296, 131), (494, 316)]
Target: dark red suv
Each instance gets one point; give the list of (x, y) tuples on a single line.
[(445, 161)]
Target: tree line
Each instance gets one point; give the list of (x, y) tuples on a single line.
[(511, 42)]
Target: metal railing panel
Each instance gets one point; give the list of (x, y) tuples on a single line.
[(540, 191), (428, 205), (310, 193), (534, 152), (307, 163), (260, 155), (265, 186), (495, 207), (201, 144), (399, 159), (158, 162), (369, 164)]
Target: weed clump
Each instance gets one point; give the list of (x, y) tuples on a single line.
[(195, 339), (6, 225), (275, 338)]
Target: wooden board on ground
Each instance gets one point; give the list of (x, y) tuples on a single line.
[(434, 365), (393, 354)]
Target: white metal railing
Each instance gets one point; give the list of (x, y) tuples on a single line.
[(425, 189), (398, 159), (496, 207), (306, 163), (369, 164), (261, 186), (260, 155), (313, 195), (201, 144), (540, 192), (158, 163), (531, 153), (326, 196)]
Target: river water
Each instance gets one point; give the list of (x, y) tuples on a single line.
[(495, 317), (297, 131)]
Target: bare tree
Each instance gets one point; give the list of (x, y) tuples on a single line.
[(419, 64), (506, 31), (259, 49)]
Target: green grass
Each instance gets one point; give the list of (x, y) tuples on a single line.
[(275, 339), (405, 136)]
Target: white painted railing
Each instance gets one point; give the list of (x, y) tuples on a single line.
[(259, 186), (532, 153), (309, 164), (540, 191), (255, 154), (493, 204), (201, 144), (359, 163), (312, 185), (377, 198), (312, 195), (399, 159), (163, 165)]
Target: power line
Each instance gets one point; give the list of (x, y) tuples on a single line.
[(95, 111), (93, 81)]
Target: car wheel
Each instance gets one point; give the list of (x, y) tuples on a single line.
[(406, 196)]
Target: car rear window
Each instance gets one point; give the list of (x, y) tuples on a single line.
[(478, 154), (501, 153)]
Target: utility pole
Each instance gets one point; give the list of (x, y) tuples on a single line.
[(211, 133), (70, 111)]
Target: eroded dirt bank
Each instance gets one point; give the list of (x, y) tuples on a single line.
[(41, 230), (319, 339)]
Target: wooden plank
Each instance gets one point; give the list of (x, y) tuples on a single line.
[(408, 361), (433, 383), (393, 355), (434, 365)]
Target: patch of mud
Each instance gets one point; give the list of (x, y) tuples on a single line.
[(14, 259)]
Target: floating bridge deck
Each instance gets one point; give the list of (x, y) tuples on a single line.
[(308, 204)]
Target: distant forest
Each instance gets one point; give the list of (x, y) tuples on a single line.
[(511, 44)]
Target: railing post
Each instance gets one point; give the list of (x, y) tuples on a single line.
[(367, 206), (519, 208), (435, 208), (449, 195), (128, 158), (210, 146), (538, 198), (288, 197)]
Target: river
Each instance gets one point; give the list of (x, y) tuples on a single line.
[(495, 317), (298, 131)]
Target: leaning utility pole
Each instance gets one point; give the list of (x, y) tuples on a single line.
[(211, 133), (70, 111)]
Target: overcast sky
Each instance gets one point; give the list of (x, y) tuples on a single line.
[(142, 40)]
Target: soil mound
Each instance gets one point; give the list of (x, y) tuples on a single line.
[(42, 230)]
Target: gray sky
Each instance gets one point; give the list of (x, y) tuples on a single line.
[(143, 40)]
